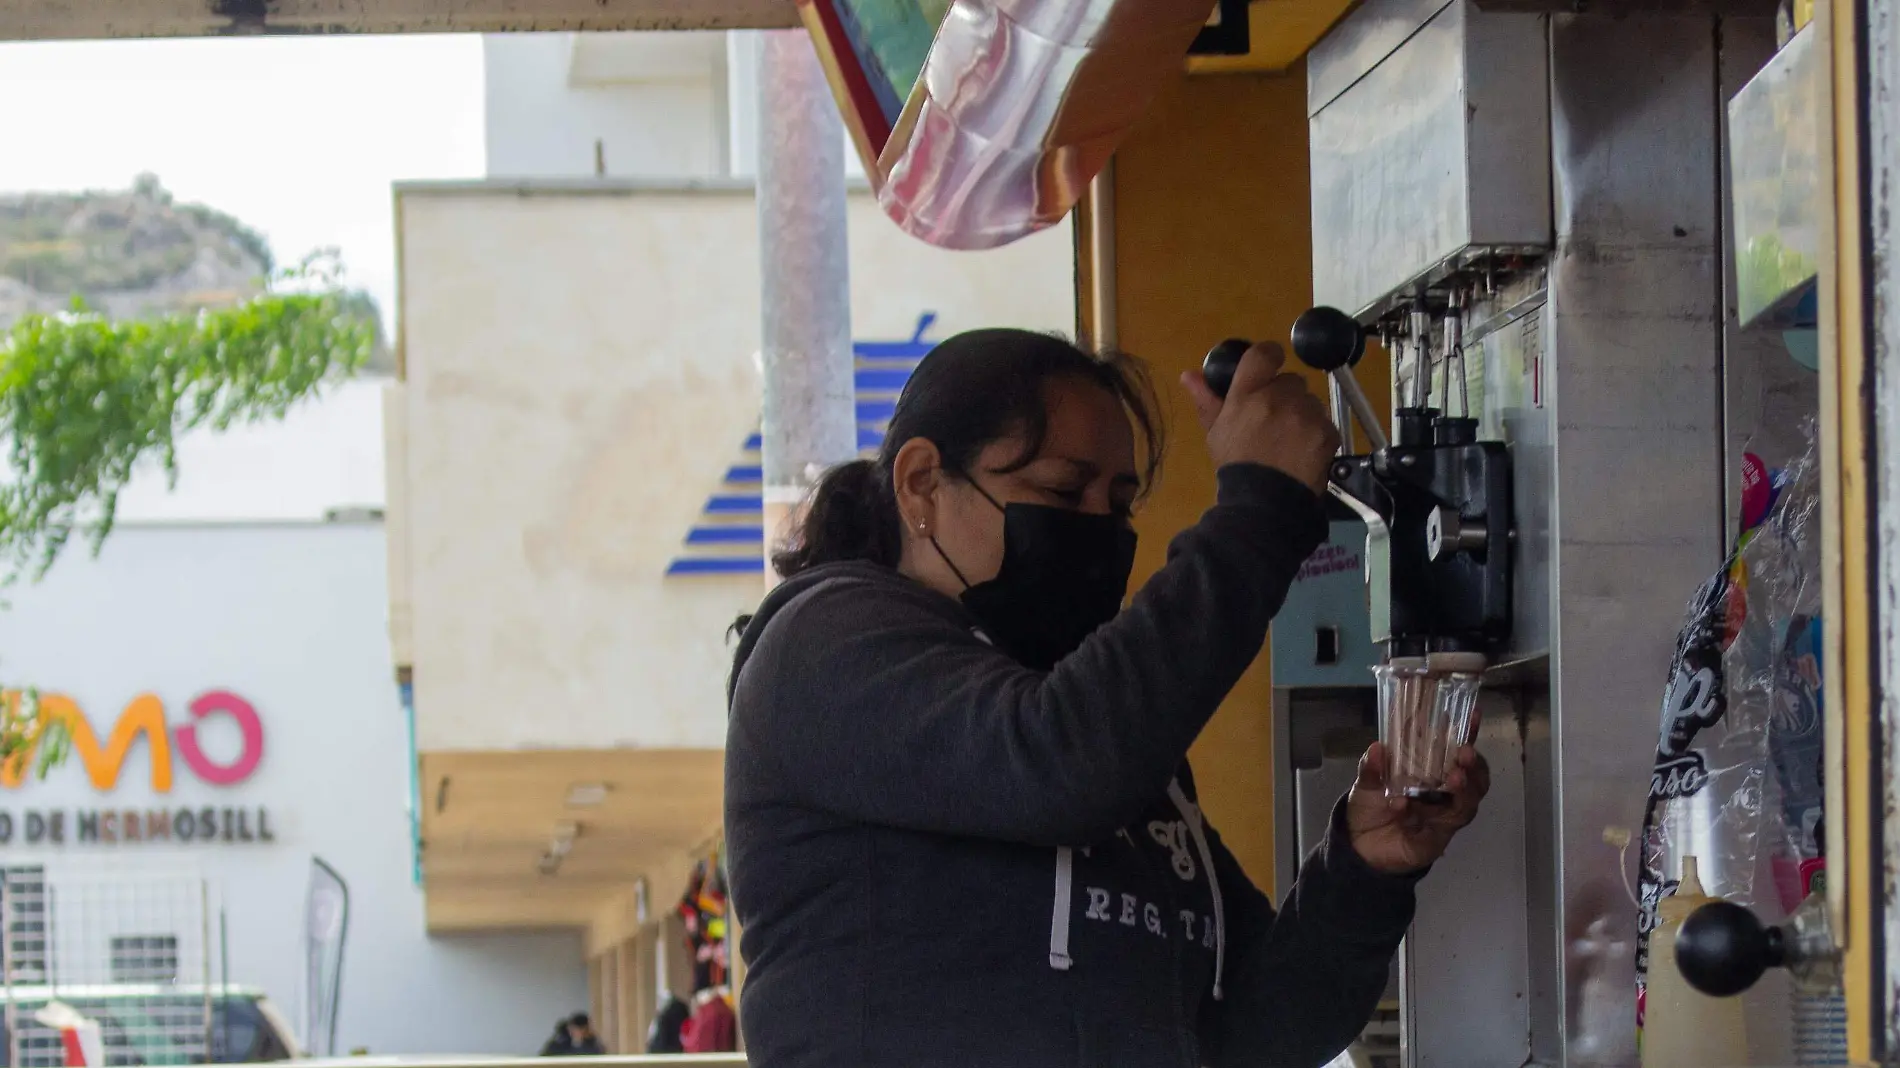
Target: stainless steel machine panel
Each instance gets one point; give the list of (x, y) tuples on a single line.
[(1355, 46), (1319, 789), (1635, 339), (1472, 907), (1438, 152)]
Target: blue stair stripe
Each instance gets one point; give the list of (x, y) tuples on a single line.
[(884, 367), (737, 534), (892, 350), (731, 565), (882, 381)]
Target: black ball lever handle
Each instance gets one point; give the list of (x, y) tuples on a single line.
[(1221, 363), (1325, 339), (1722, 949)]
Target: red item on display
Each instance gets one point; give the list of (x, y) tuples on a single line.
[(712, 1028)]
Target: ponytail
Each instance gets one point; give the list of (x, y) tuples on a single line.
[(850, 515)]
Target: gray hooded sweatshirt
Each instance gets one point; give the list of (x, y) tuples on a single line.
[(940, 857)]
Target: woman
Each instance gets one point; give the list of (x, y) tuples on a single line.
[(962, 829)]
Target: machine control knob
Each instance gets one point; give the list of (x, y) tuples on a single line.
[(1722, 949), (1446, 532), (1220, 364), (1327, 339)]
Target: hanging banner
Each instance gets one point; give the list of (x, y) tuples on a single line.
[(326, 923)]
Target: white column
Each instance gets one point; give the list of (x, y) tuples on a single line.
[(810, 413)]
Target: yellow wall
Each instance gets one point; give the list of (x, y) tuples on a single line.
[(1213, 240), (1279, 32)]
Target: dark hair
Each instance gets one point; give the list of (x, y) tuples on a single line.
[(579, 1020), (972, 390)]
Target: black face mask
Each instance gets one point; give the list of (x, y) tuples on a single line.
[(1064, 574)]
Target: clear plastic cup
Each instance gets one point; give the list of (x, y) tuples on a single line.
[(1428, 708)]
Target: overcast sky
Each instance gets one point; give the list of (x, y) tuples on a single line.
[(298, 137)]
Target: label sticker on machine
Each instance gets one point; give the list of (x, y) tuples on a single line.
[(1329, 559)]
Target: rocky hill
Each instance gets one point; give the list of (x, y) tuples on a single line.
[(129, 254)]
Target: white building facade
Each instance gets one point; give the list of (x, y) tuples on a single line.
[(227, 665), (644, 106)]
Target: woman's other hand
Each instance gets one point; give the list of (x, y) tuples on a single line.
[(1269, 417), (1399, 835)]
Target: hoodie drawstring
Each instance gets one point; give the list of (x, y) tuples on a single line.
[(1059, 958), (1192, 814)]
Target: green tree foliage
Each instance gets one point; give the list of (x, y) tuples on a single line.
[(30, 740), (86, 402)]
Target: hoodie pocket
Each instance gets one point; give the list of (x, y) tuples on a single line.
[(1127, 1044)]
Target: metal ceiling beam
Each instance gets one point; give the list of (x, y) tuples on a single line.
[(28, 20)]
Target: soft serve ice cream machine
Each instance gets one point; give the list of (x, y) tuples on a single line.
[(1436, 508), (1526, 208)]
